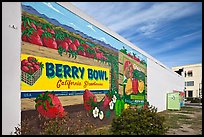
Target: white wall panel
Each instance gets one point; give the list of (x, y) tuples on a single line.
[(161, 81), (11, 39)]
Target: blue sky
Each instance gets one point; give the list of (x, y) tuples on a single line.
[(171, 32)]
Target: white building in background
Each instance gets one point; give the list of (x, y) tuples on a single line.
[(193, 79)]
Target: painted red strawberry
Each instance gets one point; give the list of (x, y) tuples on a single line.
[(51, 31), (48, 40), (24, 62), (31, 70), (31, 59), (22, 27), (129, 54), (96, 49), (68, 40), (85, 46), (76, 42), (37, 63), (99, 55), (29, 64), (64, 45), (33, 25), (49, 105), (36, 67), (35, 39), (40, 31), (106, 101), (88, 97), (73, 47), (25, 68), (82, 53), (24, 38)]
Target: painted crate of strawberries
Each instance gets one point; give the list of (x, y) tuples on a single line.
[(31, 70)]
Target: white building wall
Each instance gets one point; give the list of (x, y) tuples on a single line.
[(11, 48), (196, 77), (160, 80)]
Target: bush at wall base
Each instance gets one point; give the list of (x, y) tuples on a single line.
[(134, 121)]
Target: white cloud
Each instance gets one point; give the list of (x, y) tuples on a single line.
[(50, 6), (91, 27), (176, 43), (139, 16)]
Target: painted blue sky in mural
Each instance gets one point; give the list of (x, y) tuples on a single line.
[(169, 31), (64, 16)]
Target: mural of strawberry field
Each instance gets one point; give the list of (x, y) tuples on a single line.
[(45, 42)]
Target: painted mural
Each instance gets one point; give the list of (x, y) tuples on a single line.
[(68, 64)]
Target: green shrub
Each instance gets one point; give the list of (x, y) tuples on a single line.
[(139, 122), (194, 100)]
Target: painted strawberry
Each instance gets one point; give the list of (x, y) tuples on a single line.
[(106, 101), (48, 40), (59, 38), (64, 45), (47, 27), (99, 55), (22, 27), (51, 31), (31, 59), (68, 40), (35, 39), (76, 42), (31, 70), (40, 31), (129, 54), (24, 38), (96, 49), (37, 63), (29, 64), (80, 51), (30, 35), (49, 105), (85, 46), (25, 68), (24, 62), (73, 47), (90, 52), (36, 67), (89, 98)]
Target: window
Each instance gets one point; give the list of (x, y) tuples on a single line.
[(185, 73), (190, 73), (190, 93), (185, 93), (189, 83)]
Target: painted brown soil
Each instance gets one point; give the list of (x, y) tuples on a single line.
[(78, 120)]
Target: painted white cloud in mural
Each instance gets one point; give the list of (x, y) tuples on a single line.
[(103, 39), (91, 27), (50, 6)]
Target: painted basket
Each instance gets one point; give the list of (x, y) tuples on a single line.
[(31, 79)]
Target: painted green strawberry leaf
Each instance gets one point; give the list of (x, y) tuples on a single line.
[(38, 104), (44, 105)]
